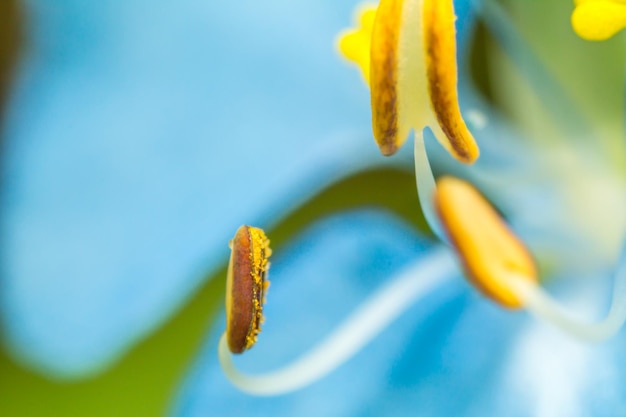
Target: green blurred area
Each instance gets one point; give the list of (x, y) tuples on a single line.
[(591, 72), (144, 381), (530, 64)]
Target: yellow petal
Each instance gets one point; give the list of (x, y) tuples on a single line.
[(354, 44), (489, 250), (598, 20)]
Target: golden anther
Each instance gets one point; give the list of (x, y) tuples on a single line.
[(384, 73), (441, 69), (412, 73), (490, 252), (246, 286)]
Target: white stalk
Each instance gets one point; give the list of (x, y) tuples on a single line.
[(426, 185)]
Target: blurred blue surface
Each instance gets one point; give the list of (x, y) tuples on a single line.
[(140, 135)]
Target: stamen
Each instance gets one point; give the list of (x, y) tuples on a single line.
[(246, 287), (490, 252), (413, 284), (412, 74), (598, 20), (501, 267)]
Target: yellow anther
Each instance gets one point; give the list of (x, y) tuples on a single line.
[(246, 285), (389, 132), (440, 46), (598, 20), (491, 254), (355, 44), (412, 74)]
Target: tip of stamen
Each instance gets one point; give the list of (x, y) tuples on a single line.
[(490, 252), (387, 148)]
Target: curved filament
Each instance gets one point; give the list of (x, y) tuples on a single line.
[(345, 341)]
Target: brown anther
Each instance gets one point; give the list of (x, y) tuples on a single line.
[(246, 285)]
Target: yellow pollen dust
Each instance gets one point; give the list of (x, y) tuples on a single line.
[(491, 254), (259, 257), (598, 20), (354, 44)]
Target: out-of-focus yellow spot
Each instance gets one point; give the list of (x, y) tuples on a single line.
[(598, 20), (354, 44), (490, 252)]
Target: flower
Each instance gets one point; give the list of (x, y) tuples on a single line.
[(453, 353), (454, 198)]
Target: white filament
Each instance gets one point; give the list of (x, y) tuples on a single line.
[(426, 185), (546, 308), (414, 283)]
